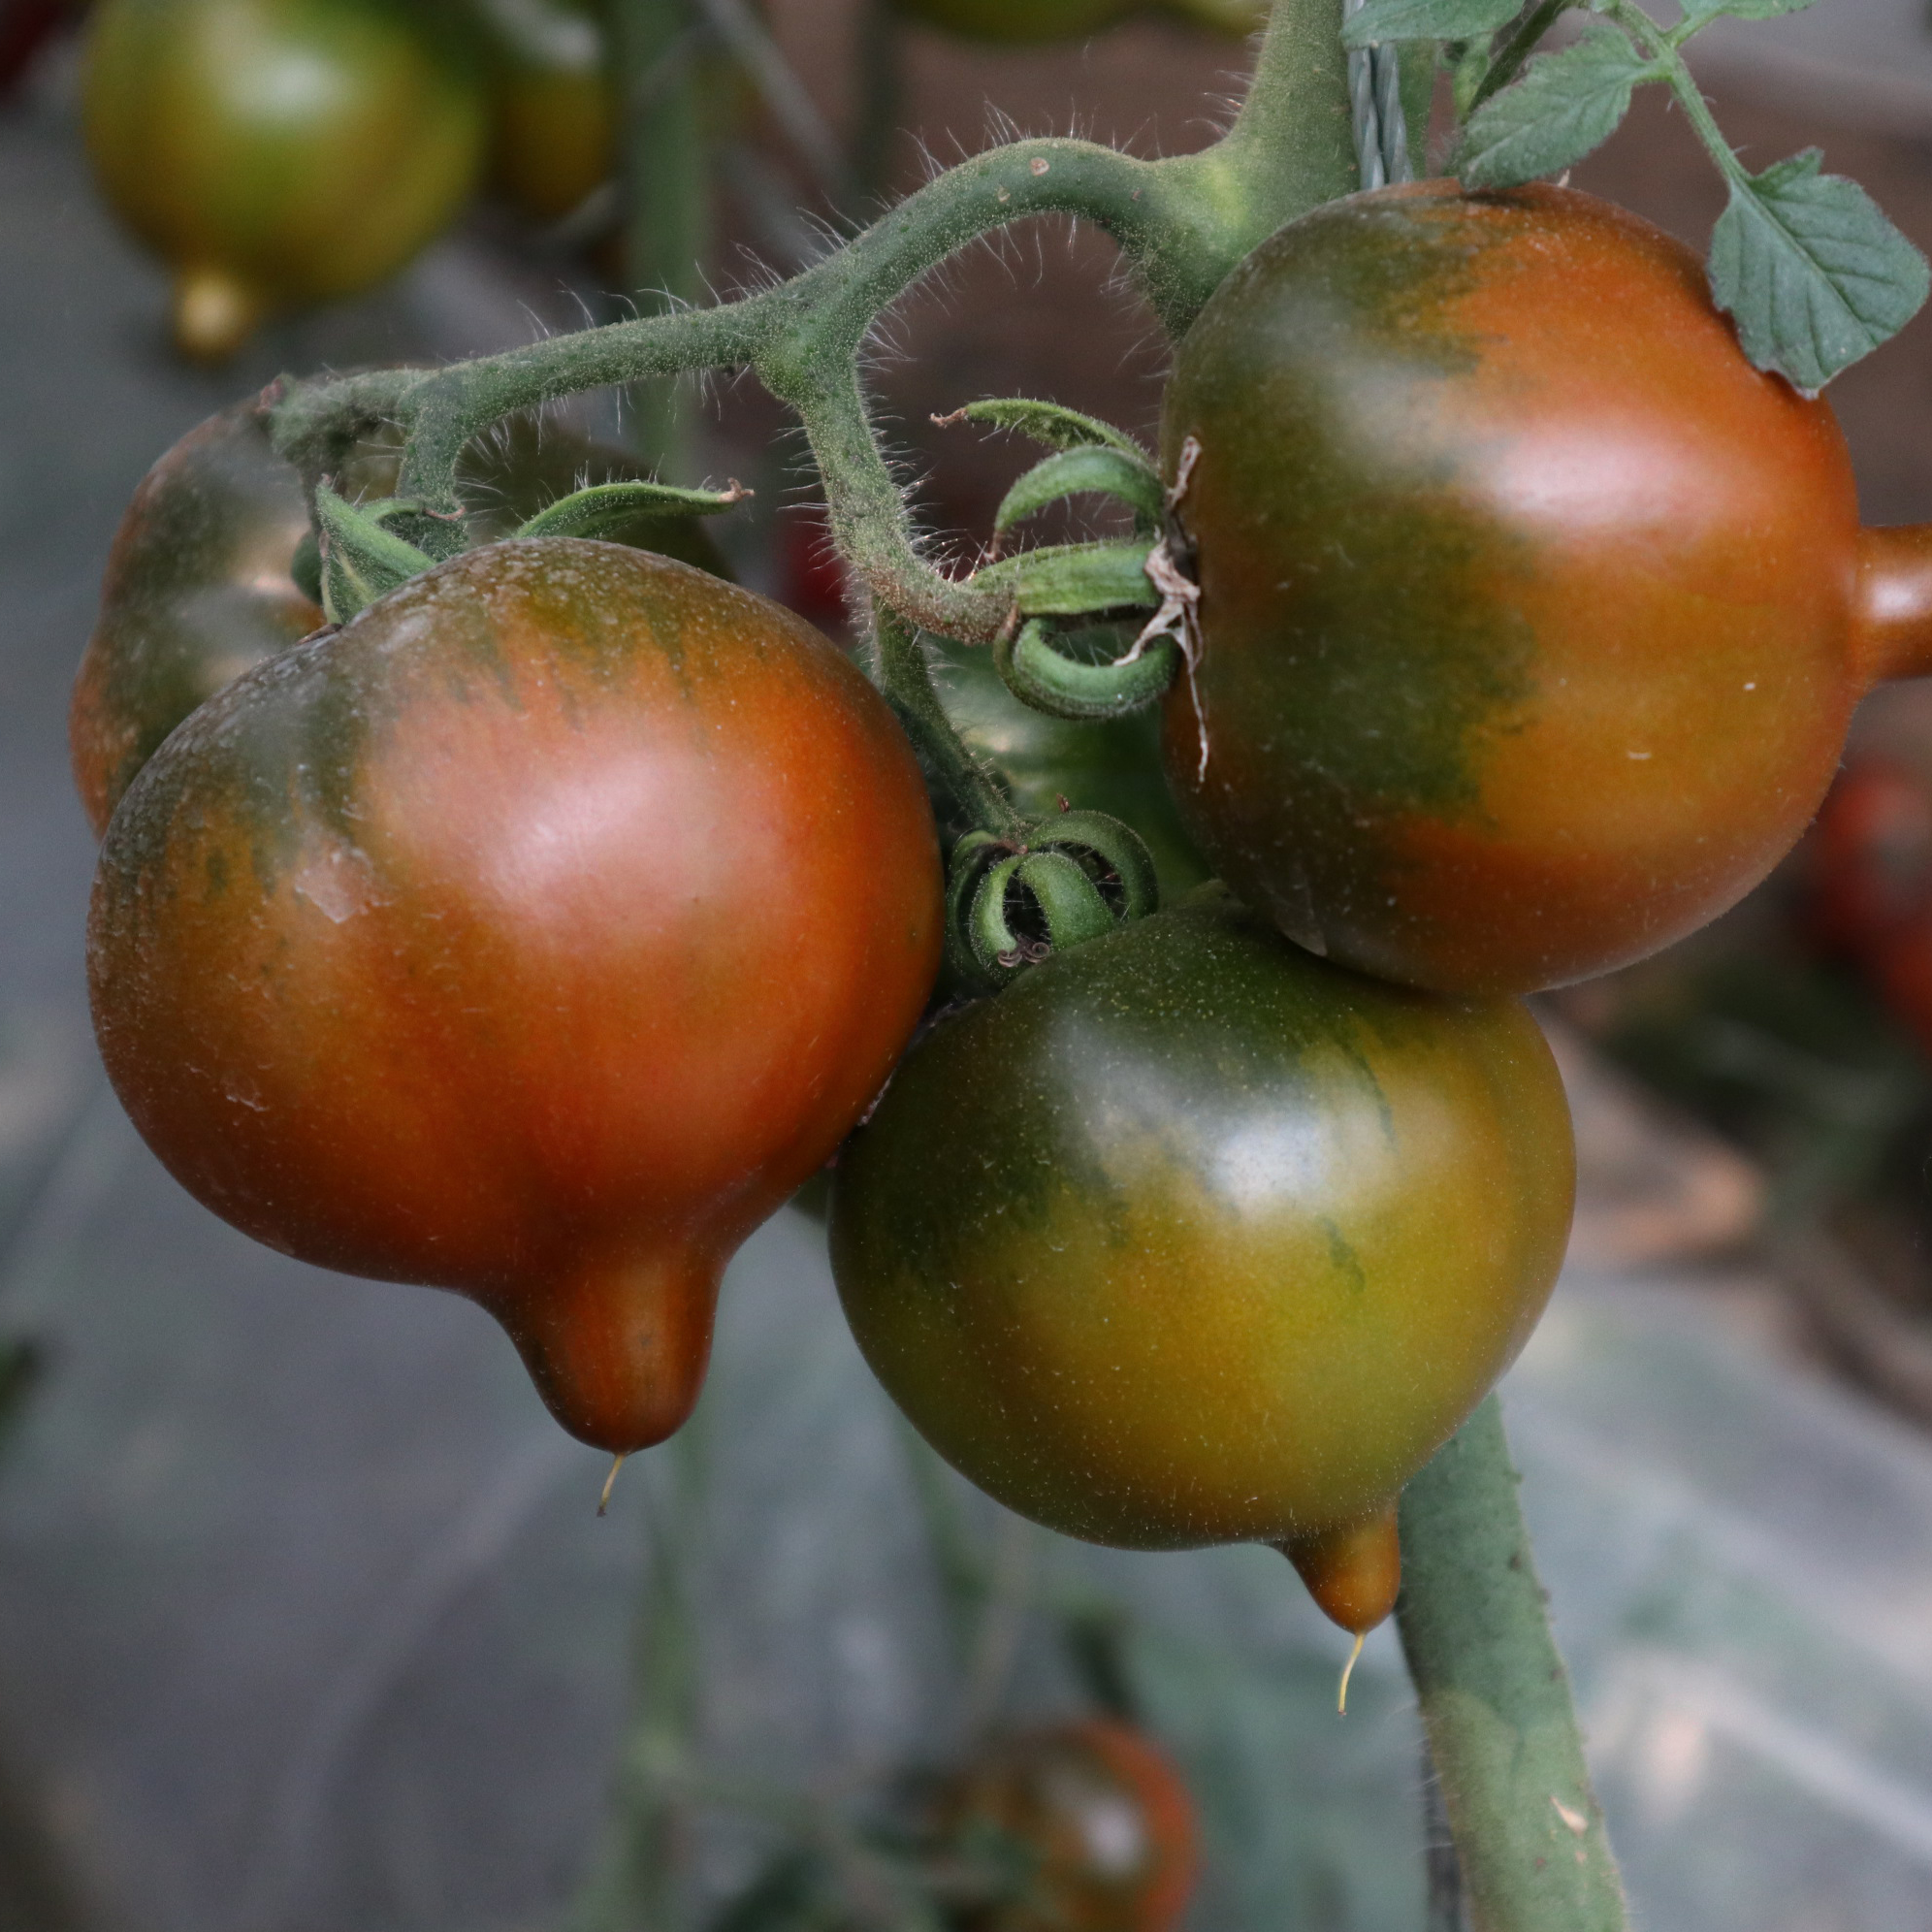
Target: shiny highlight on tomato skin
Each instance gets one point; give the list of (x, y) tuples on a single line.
[(533, 936), (1228, 1239), (1532, 616)]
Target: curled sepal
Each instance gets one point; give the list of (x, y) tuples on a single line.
[(1046, 423), (972, 857), (1091, 470), (1043, 677), (1119, 847), (1072, 909), (605, 507), (361, 560), (1073, 579)]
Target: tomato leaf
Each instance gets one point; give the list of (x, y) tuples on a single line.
[(1046, 423), (1565, 105), (1093, 469), (605, 507), (1812, 270), (361, 560), (1699, 14), (1073, 579), (1426, 19)]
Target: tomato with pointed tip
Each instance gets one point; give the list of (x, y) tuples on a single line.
[(533, 936), (278, 153), (198, 586), (1190, 1237), (1532, 615)]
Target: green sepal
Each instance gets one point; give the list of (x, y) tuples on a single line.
[(304, 568), (609, 507), (1073, 579), (965, 868), (1046, 423), (361, 560), (1072, 905), (1094, 470), (1045, 679), (1117, 843)]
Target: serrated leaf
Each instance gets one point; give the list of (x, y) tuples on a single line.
[(361, 561), (1812, 270), (1565, 104), (1046, 423), (1073, 579), (1095, 470), (1426, 19), (611, 507), (1699, 14)]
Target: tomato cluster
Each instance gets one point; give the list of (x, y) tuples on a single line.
[(538, 931)]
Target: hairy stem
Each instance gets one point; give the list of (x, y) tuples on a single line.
[(1496, 1700), (902, 672)]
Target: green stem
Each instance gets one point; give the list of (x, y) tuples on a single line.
[(1495, 1700), (1508, 63), (1662, 47), (1183, 224), (901, 671), (665, 179)]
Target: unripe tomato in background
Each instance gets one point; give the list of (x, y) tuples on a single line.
[(553, 103), (1090, 1824), (198, 586), (1189, 1238), (1532, 614), (534, 935), (278, 153)]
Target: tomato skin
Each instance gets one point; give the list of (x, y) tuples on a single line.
[(1190, 1237), (1523, 594), (1102, 1808), (553, 103), (198, 587), (278, 153), (533, 936), (1112, 767)]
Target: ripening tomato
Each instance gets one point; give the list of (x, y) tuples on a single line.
[(278, 153), (1191, 1237), (1088, 1825), (1532, 614), (534, 936), (198, 586)]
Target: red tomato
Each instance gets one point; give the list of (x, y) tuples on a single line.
[(1096, 1827), (535, 935)]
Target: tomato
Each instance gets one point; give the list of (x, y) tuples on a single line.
[(1532, 614), (198, 586), (1113, 767), (553, 103), (533, 936), (1191, 1237), (278, 153), (1091, 1820)]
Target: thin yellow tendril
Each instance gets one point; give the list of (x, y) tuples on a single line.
[(1347, 1671), (610, 1483)]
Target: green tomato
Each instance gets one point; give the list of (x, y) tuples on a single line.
[(1190, 1237), (278, 153), (1115, 767)]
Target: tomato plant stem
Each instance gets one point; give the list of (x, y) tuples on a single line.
[(665, 179), (1181, 222), (1496, 1700)]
